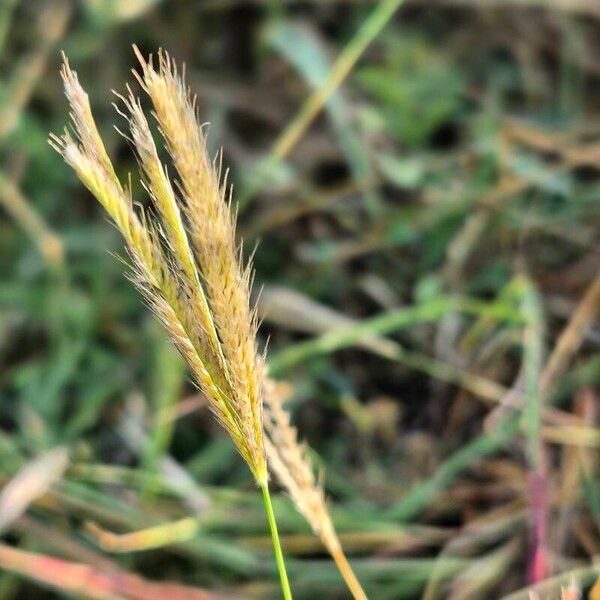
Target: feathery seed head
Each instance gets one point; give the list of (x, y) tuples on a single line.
[(194, 282), (288, 460), (212, 238)]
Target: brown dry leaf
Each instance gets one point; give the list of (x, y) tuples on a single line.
[(88, 582), (31, 482)]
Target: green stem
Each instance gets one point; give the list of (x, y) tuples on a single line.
[(340, 69), (285, 584)]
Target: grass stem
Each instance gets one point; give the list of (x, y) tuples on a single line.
[(374, 23), (348, 574), (285, 584)]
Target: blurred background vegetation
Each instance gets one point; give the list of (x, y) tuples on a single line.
[(421, 182)]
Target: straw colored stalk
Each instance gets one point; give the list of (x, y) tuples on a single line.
[(195, 283), (289, 462)]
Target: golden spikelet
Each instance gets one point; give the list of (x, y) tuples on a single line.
[(287, 459), (201, 327), (212, 232), (204, 308)]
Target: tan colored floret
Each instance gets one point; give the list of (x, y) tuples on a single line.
[(289, 462)]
